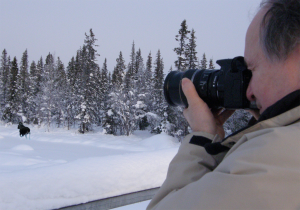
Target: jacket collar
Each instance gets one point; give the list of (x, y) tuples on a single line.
[(288, 102), (284, 112)]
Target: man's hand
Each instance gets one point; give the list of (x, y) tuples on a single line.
[(199, 115)]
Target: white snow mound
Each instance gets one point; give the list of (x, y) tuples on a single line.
[(160, 141), (22, 147)]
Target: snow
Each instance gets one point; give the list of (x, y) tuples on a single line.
[(139, 105), (61, 168), (22, 147), (135, 206), (109, 112), (152, 115)]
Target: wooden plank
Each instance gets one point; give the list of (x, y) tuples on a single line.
[(114, 202)]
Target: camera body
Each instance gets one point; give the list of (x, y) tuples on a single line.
[(224, 88)]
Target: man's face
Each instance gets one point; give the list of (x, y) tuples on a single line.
[(270, 80)]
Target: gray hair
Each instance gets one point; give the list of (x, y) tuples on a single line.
[(280, 28)]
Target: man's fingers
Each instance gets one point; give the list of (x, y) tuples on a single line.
[(189, 91)]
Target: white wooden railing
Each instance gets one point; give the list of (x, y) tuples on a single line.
[(114, 202)]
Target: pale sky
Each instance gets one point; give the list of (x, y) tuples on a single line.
[(58, 27)]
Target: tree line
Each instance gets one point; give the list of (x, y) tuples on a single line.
[(83, 94)]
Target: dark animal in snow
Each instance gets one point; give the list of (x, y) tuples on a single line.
[(23, 130)]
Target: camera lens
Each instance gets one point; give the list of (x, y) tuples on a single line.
[(206, 83), (224, 88)]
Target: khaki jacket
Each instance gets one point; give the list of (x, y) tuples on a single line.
[(261, 170)]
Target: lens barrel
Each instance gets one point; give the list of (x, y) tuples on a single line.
[(205, 81), (224, 88), (172, 88)]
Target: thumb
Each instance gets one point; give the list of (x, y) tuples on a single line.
[(190, 92)]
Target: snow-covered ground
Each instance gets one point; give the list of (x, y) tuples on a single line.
[(61, 168), (136, 206)]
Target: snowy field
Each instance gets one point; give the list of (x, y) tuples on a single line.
[(135, 206), (61, 168)]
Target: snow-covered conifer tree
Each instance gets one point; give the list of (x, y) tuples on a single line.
[(131, 70), (38, 101), (60, 87), (140, 90), (104, 83), (70, 92), (32, 93), (183, 53), (116, 102), (155, 117), (211, 64), (191, 52), (182, 38), (104, 91), (149, 82), (48, 103), (119, 72), (4, 81), (24, 86), (87, 112), (125, 108), (203, 63), (148, 75), (71, 73), (12, 105)]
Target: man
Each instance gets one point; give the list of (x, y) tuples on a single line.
[(259, 166)]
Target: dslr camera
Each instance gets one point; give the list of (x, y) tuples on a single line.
[(223, 88)]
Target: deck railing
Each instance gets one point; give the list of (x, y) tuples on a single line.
[(114, 202)]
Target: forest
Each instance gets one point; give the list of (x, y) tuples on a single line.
[(82, 94)]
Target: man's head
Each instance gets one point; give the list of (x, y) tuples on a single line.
[(272, 52)]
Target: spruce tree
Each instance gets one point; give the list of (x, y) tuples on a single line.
[(113, 120), (140, 91), (71, 73), (149, 81), (186, 53), (4, 81), (211, 64), (119, 72), (70, 93), (39, 74), (148, 75), (158, 98), (48, 101), (126, 110), (104, 84), (191, 52), (105, 114), (109, 121), (88, 110), (148, 89), (203, 63), (60, 89), (131, 70), (158, 77), (24, 86), (38, 116), (139, 63), (182, 38), (32, 93), (10, 113)]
